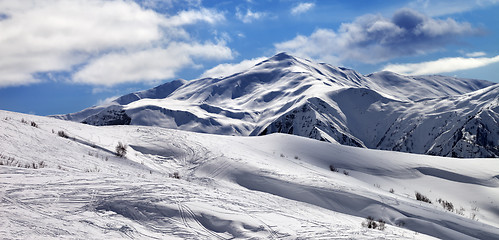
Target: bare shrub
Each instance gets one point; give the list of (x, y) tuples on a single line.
[(446, 205), (175, 175), (332, 168), (391, 190), (346, 172), (370, 223), (33, 124), (121, 149), (62, 134), (381, 224), (421, 197)]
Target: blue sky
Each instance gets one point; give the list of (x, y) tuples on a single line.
[(61, 56)]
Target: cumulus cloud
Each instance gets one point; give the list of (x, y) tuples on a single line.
[(227, 69), (374, 38), (442, 65), (302, 8), (249, 16), (148, 65), (56, 35)]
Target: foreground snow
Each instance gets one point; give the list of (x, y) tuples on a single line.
[(275, 186)]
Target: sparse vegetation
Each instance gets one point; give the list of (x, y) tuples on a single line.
[(33, 124), (175, 175), (332, 168), (11, 161), (62, 134), (346, 172), (121, 149), (446, 205), (391, 190), (95, 169), (370, 223), (474, 211), (423, 198)]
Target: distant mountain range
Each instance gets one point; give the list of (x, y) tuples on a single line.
[(436, 115)]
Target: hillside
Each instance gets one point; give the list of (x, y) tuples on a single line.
[(285, 94), (275, 186)]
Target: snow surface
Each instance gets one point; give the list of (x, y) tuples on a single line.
[(276, 186), (433, 115)]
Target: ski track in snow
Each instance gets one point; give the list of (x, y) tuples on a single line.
[(272, 187)]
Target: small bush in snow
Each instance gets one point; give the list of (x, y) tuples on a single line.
[(33, 124), (174, 175), (446, 205), (460, 211), (121, 149), (391, 190), (24, 121), (370, 223), (62, 134), (421, 197), (332, 168), (282, 155), (346, 172)]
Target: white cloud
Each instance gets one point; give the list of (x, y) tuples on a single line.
[(448, 7), (57, 35), (193, 16), (148, 65), (442, 65), (227, 69), (374, 38), (106, 100), (249, 16), (302, 8), (475, 54)]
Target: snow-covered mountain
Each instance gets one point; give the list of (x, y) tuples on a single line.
[(62, 180), (435, 115)]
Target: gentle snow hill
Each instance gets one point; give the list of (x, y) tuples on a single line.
[(286, 94), (277, 186)]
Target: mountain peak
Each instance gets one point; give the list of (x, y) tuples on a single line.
[(297, 96), (282, 56)]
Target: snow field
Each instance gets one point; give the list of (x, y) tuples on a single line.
[(275, 186)]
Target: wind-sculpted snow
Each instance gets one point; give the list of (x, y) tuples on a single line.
[(285, 94), (175, 184)]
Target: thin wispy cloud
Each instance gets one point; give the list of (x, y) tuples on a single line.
[(227, 69), (249, 16), (447, 7), (443, 65), (475, 54), (302, 8), (31, 41), (374, 38)]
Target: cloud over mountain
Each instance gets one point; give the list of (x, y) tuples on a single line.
[(374, 38)]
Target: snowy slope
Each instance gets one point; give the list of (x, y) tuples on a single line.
[(275, 186), (286, 94)]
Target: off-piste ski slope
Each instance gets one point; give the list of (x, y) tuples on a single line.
[(267, 187)]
